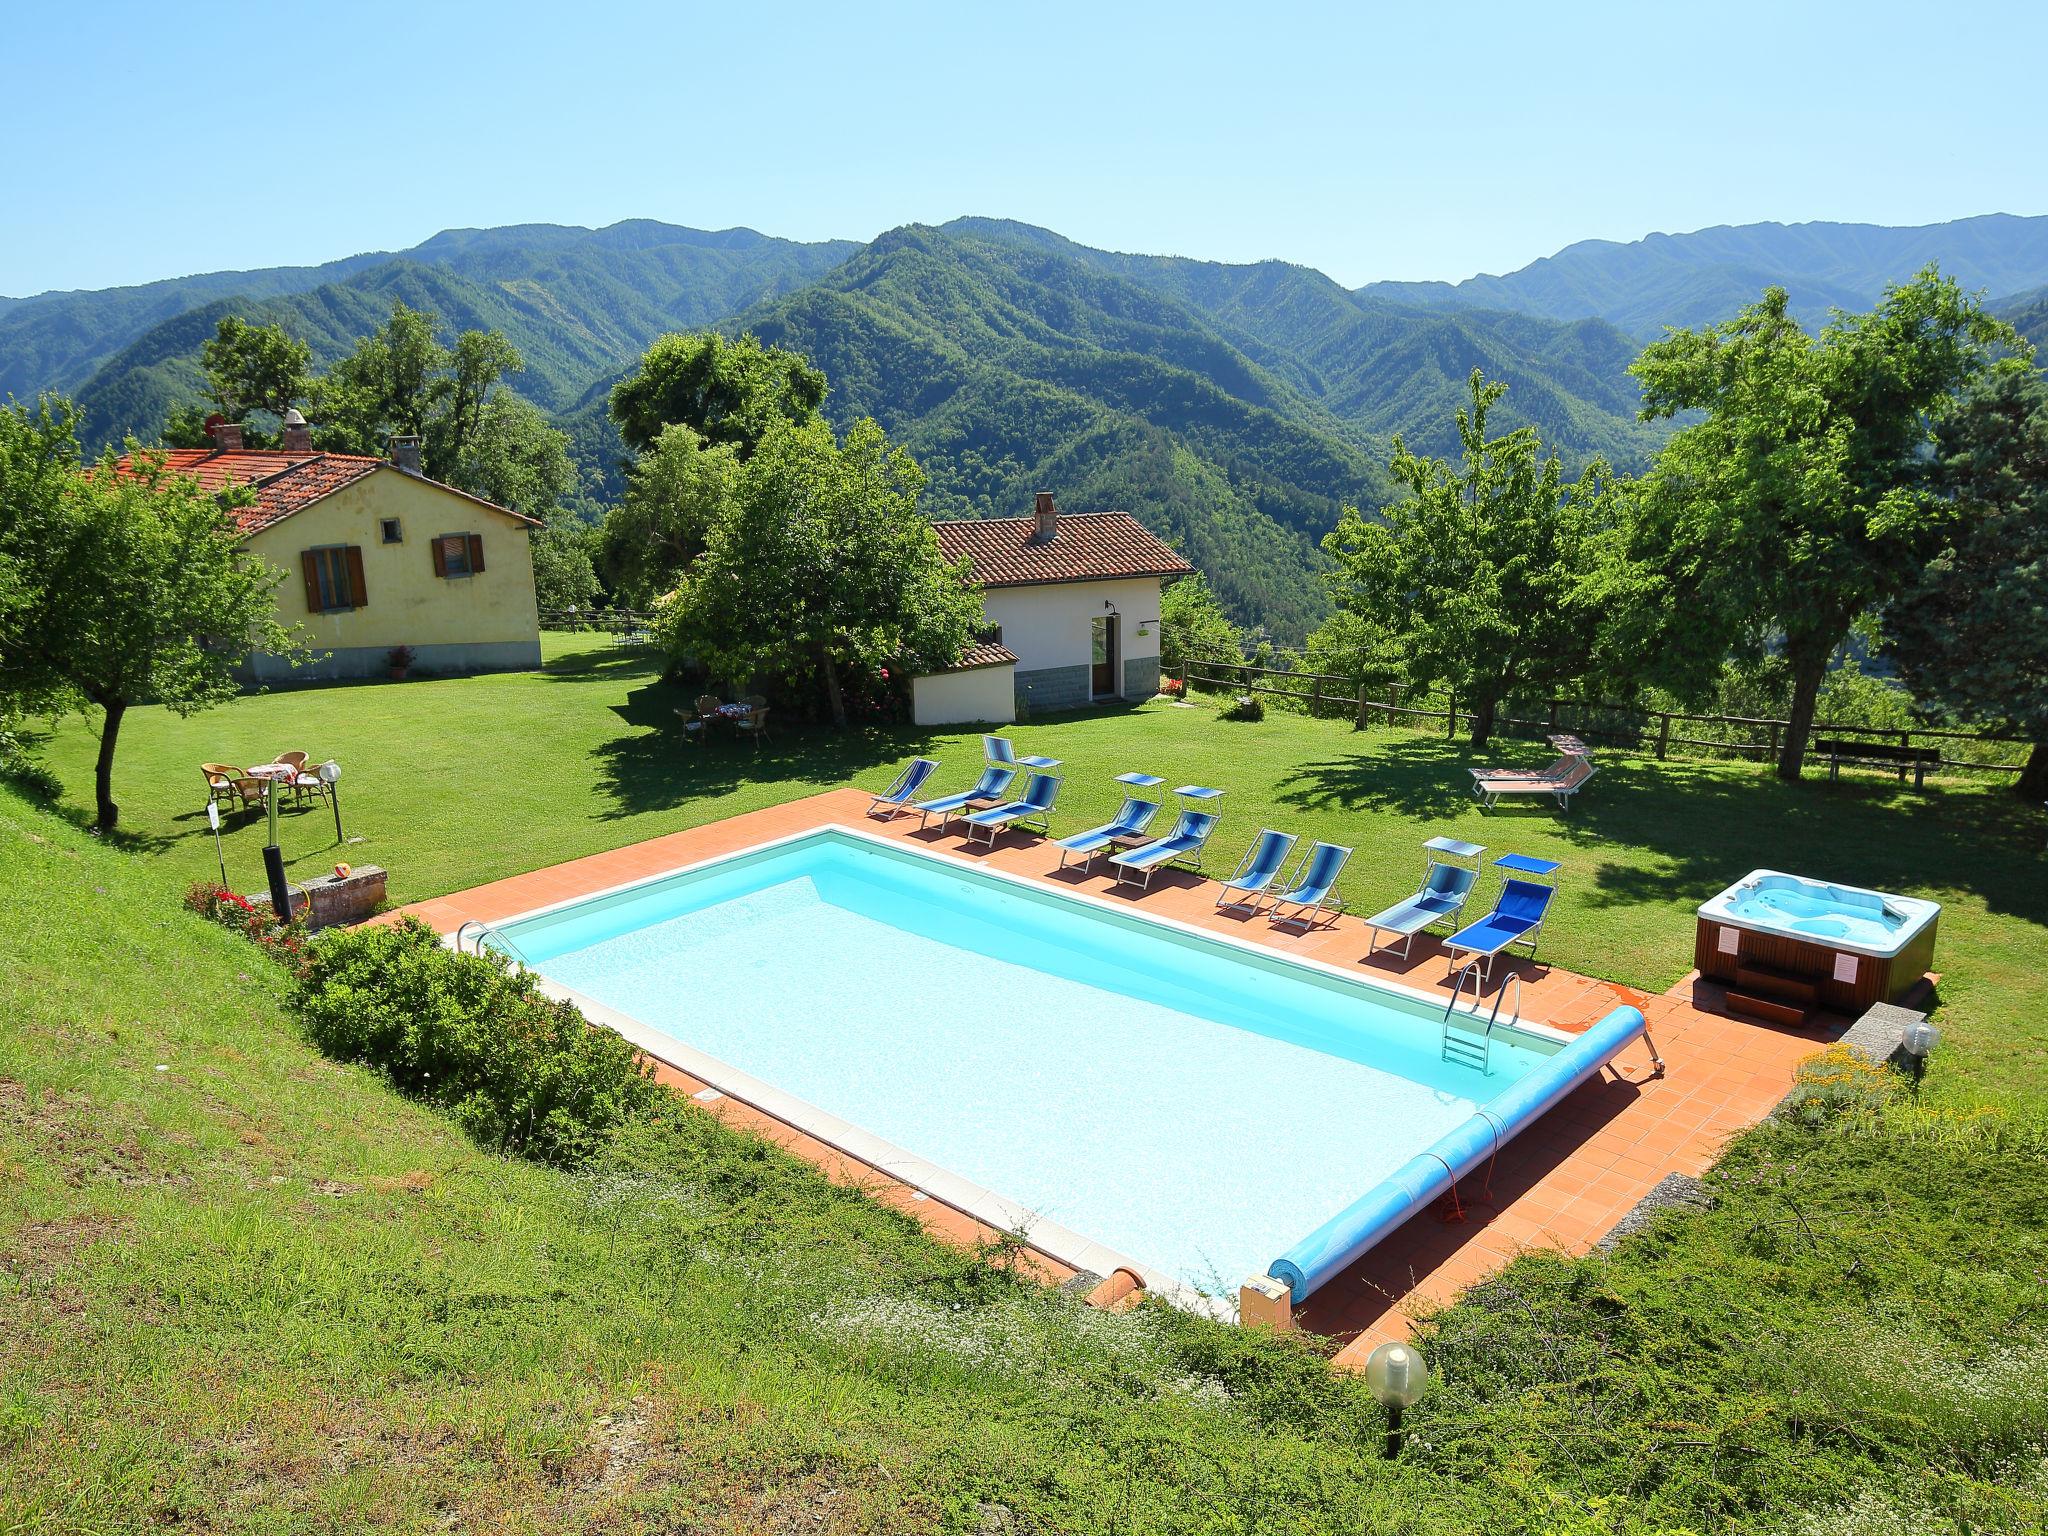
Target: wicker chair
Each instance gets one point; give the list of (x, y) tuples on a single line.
[(301, 780), (249, 792), (754, 722), (220, 778)]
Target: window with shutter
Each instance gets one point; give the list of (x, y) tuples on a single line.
[(334, 578), (453, 554)]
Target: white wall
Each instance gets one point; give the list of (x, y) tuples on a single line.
[(965, 698), (1048, 626)]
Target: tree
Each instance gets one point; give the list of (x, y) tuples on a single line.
[(1970, 635), (679, 488), (729, 389), (564, 565), (821, 564), (130, 585), (1805, 497), (1480, 568), (400, 381), (248, 368), (1192, 623)]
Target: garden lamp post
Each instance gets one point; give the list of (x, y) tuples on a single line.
[(330, 775), (1920, 1037), (273, 858), (213, 821), (1396, 1376)]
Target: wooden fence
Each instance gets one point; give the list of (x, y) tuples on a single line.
[(1661, 731), (615, 621)]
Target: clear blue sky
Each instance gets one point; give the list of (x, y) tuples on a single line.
[(149, 140)]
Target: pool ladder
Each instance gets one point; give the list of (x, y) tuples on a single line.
[(477, 932), (1469, 1047)]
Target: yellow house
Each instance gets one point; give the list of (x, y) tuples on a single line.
[(377, 556)]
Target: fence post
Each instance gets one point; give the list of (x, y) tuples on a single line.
[(1553, 719), (1451, 718), (1663, 734), (1905, 743), (1359, 723), (1315, 706), (1774, 741)]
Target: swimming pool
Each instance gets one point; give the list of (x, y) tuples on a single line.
[(1129, 1090)]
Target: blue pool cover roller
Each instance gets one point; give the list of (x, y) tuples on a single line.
[(1346, 1237)]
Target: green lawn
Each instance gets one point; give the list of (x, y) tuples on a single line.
[(245, 1289), (449, 783)]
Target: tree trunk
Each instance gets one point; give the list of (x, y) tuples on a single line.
[(1482, 720), (832, 694), (2034, 777), (103, 774), (1807, 676)]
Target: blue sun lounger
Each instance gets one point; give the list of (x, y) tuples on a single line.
[(908, 783), (1257, 870), (1002, 751), (1440, 898), (1183, 842), (1039, 794), (1516, 918), (1312, 889), (1127, 826), (990, 788)]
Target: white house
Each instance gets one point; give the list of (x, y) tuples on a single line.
[(1072, 606)]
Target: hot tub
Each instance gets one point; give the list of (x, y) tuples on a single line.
[(1851, 946)]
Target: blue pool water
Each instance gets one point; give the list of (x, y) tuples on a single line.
[(1818, 910), (1194, 1108)]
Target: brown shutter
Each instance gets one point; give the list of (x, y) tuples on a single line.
[(358, 593), (440, 557), (310, 565), (476, 554)]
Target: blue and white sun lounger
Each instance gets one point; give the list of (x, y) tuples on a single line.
[(1516, 918), (1183, 842), (1257, 870), (1312, 889), (1001, 751), (908, 783), (1127, 826), (1440, 898), (1039, 794), (993, 784)]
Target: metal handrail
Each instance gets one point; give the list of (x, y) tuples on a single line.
[(486, 931), (1514, 980), (1458, 989)]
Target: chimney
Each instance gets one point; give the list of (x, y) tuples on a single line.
[(1048, 519), (405, 453), (298, 437), (227, 436)]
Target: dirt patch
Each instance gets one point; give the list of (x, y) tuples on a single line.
[(45, 1248)]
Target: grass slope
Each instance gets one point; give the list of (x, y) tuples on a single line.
[(447, 794)]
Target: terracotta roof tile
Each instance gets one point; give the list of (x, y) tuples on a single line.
[(284, 481), (1088, 546), (978, 656)]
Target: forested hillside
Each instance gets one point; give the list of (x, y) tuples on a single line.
[(1696, 279), (1233, 408)]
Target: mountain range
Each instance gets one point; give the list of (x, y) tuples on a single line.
[(1233, 408)]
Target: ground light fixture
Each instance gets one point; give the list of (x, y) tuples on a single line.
[(1918, 1039), (330, 775), (1396, 1376)]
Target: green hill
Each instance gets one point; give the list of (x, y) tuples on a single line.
[(1696, 279)]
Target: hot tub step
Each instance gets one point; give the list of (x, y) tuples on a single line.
[(1770, 1010), (1769, 981)]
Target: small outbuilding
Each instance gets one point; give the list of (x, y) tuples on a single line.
[(1071, 603)]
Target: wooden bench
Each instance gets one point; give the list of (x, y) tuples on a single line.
[(1880, 754)]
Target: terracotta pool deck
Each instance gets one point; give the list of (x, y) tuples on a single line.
[(1563, 1183)]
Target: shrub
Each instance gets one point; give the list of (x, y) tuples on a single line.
[(521, 1072), (1245, 706), (284, 942), (20, 768)]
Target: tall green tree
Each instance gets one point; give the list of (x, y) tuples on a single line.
[(400, 381), (821, 564), (1970, 635), (1804, 498), (248, 369), (1480, 568), (129, 585), (677, 490), (727, 389), (1192, 623)]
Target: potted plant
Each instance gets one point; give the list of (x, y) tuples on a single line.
[(400, 662)]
